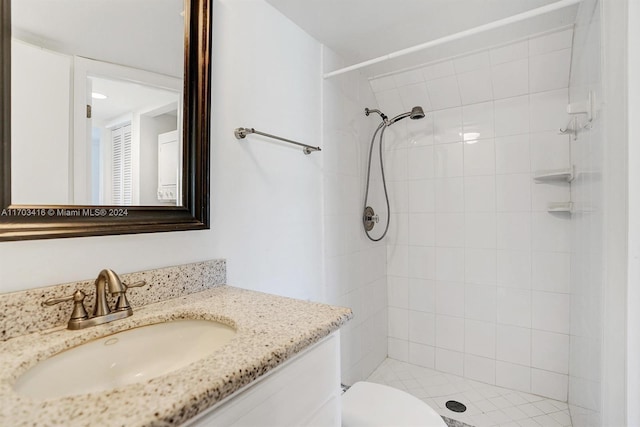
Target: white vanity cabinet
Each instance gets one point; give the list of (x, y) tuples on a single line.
[(304, 391)]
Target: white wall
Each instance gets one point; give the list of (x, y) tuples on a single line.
[(478, 269), (40, 121), (587, 274), (266, 197), (615, 210), (633, 296)]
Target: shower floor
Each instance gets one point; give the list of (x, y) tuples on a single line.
[(487, 405)]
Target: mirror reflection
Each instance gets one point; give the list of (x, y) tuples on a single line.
[(97, 102)]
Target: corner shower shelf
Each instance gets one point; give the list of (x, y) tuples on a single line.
[(554, 175), (560, 207)]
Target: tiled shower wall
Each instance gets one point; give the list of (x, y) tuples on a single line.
[(354, 268), (478, 270)]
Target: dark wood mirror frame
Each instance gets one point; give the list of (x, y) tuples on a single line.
[(28, 222)]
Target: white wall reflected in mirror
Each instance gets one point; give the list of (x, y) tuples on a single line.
[(97, 102)]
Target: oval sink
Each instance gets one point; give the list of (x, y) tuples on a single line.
[(126, 357)]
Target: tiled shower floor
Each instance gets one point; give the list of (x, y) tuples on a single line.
[(487, 405)]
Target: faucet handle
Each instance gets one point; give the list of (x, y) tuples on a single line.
[(79, 312), (135, 285), (122, 303)]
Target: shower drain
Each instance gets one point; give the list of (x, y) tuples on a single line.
[(455, 406)]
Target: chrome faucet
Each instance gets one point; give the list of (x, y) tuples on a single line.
[(109, 281)]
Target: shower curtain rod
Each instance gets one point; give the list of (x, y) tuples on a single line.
[(486, 27)]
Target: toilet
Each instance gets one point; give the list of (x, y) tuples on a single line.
[(368, 404)]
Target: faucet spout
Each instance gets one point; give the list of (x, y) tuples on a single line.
[(107, 279)]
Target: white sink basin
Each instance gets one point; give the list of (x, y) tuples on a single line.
[(123, 358)]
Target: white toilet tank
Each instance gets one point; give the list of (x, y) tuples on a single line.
[(375, 405)]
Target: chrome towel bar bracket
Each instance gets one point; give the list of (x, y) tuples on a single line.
[(242, 133)]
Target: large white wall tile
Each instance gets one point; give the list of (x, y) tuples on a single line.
[(550, 42), (420, 132), (549, 71), (514, 269), (450, 332), (550, 232), (550, 271), (398, 323), (422, 229), (513, 376), (422, 195), (389, 101), (513, 344), (450, 298), (480, 303), (413, 95), (448, 160), (439, 70), (550, 351), (422, 355), (450, 361), (543, 193), (549, 151), (449, 195), (477, 121), (550, 384), (398, 291), (514, 307), (479, 157), (407, 78), (421, 263), (444, 92), (398, 349), (550, 312), (511, 116), (514, 230), (480, 368), (480, 338), (450, 264), (382, 84), (421, 162), (398, 260), (513, 193), (480, 266), (472, 62), (480, 230), (475, 86), (422, 295), (422, 328), (513, 154), (548, 110), (450, 230), (447, 125), (396, 165), (510, 79), (480, 193), (510, 52)]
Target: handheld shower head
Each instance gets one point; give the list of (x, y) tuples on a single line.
[(416, 113)]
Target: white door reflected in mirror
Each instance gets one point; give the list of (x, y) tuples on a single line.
[(90, 102)]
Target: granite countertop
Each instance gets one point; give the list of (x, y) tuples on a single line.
[(270, 329)]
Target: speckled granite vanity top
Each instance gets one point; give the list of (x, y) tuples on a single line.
[(270, 330)]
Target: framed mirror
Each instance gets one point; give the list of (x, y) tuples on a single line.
[(104, 117)]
